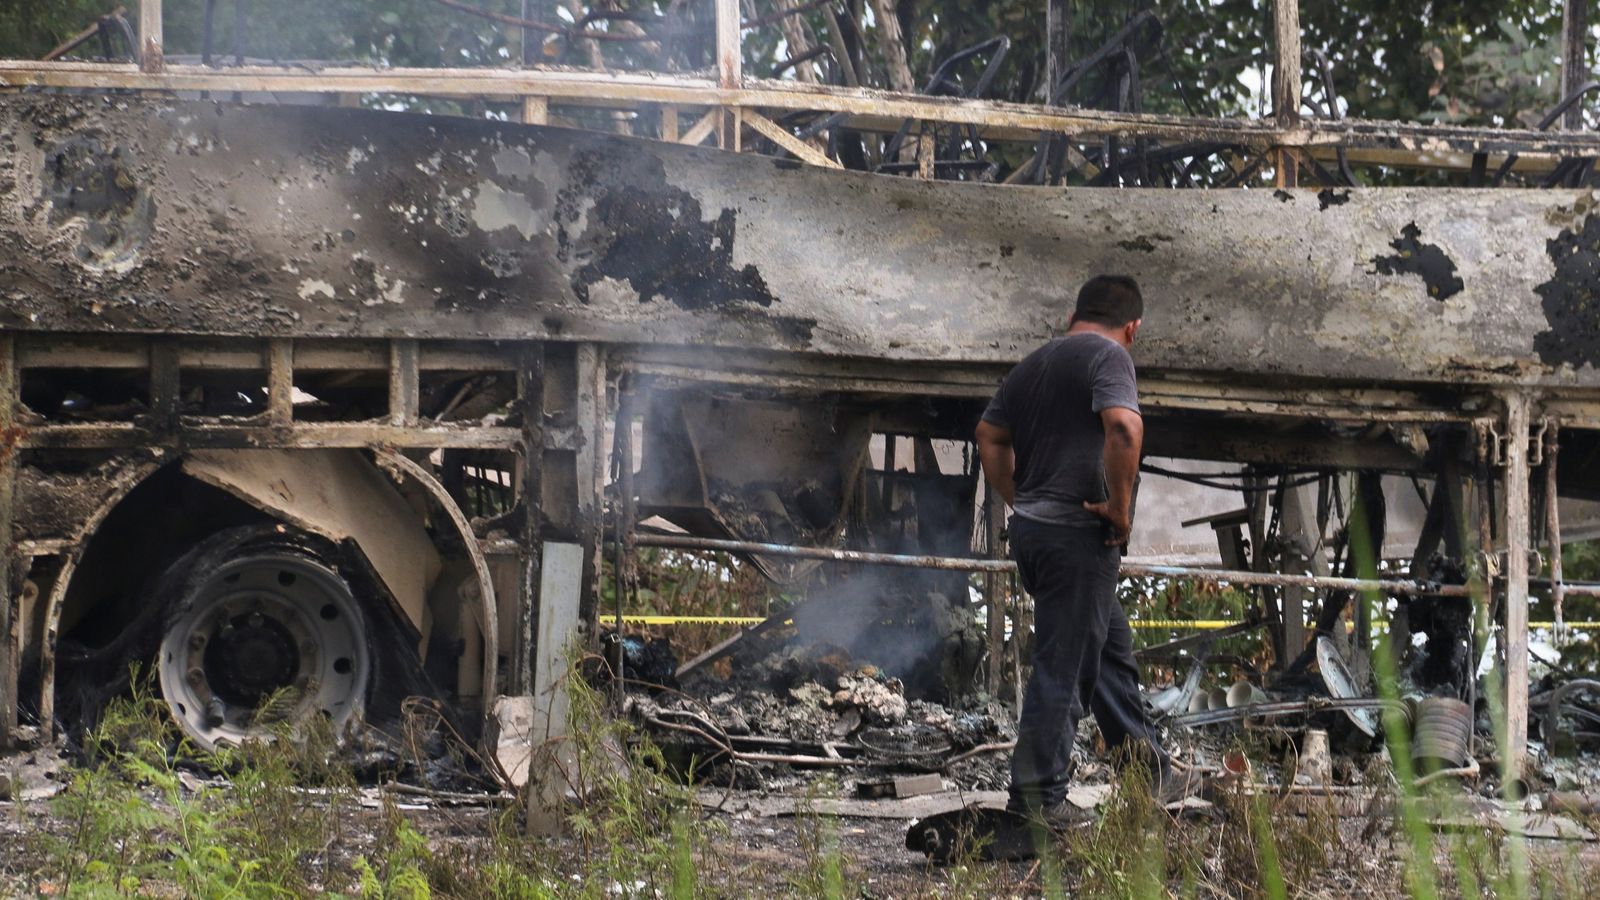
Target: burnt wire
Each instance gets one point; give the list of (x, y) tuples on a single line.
[(1177, 79)]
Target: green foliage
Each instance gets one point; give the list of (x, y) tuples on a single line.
[(398, 32), (1215, 53), (139, 821), (134, 822), (1134, 848), (1271, 865), (1505, 79), (817, 838), (1180, 600), (638, 827), (1455, 60), (1580, 561), (31, 28), (400, 872), (505, 864), (394, 32), (134, 825), (674, 583)]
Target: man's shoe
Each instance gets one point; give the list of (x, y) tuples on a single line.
[(1063, 815)]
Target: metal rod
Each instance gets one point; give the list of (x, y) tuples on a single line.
[(1574, 28), (1516, 502), (72, 43), (1552, 512), (966, 564), (150, 40), (993, 599), (953, 563), (623, 576), (10, 400), (523, 46), (729, 74), (1286, 85), (1283, 708), (1568, 588), (530, 402), (1275, 579)]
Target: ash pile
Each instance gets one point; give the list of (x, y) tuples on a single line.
[(775, 708), (874, 670)]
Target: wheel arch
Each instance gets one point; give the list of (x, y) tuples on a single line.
[(386, 465)]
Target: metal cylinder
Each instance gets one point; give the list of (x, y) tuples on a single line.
[(1243, 693), (1315, 766), (1441, 734)]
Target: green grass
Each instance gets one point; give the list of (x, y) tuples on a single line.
[(143, 815)]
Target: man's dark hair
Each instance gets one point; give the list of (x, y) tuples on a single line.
[(1111, 300)]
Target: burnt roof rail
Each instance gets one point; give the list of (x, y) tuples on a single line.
[(967, 564)]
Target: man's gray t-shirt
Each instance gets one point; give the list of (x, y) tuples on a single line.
[(1051, 403)]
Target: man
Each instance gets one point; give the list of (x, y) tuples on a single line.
[(1060, 441)]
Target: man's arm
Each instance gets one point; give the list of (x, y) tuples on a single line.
[(999, 463), (1124, 439)]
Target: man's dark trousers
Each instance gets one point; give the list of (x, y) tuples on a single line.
[(1082, 659)]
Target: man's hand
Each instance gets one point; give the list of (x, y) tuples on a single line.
[(1121, 525)]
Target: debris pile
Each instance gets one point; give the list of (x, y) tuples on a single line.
[(858, 719)]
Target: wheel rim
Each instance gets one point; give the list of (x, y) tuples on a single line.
[(267, 639)]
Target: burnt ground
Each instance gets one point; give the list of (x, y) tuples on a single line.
[(745, 844), (131, 811)]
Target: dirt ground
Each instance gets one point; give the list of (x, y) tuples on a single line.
[(143, 821), (754, 843)]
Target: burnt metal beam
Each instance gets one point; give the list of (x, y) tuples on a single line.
[(862, 108), (968, 564), (111, 351), (299, 435), (1518, 497), (730, 74), (1574, 57), (406, 226), (150, 37), (1285, 708), (1286, 62), (1057, 28), (9, 592), (530, 501), (1249, 441)]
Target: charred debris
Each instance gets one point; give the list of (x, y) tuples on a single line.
[(883, 668), (393, 417)]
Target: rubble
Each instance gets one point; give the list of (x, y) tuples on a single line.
[(812, 707), (878, 702)]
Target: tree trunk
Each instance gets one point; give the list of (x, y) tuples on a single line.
[(893, 46)]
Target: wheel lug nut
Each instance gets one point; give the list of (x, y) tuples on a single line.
[(308, 647), (312, 684), (197, 677), (197, 641), (256, 620)]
